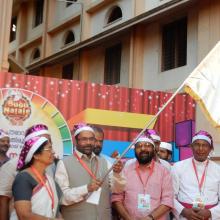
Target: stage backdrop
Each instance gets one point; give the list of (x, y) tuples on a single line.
[(122, 112)]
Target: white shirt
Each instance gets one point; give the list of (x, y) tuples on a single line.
[(7, 175), (77, 194), (186, 185), (165, 164)]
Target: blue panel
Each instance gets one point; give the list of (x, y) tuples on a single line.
[(110, 146), (176, 153)]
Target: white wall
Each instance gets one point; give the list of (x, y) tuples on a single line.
[(151, 4), (63, 13), (28, 53), (99, 19), (58, 38)]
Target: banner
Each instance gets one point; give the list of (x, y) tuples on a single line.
[(122, 112), (21, 109)]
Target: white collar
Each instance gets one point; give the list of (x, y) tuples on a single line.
[(81, 155), (200, 163)]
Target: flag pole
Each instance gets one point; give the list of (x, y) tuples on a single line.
[(146, 127)]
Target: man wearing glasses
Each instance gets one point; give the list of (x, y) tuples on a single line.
[(80, 175)]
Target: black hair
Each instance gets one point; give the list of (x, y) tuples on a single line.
[(97, 129), (38, 151)]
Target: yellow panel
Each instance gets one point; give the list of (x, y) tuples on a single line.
[(112, 118)]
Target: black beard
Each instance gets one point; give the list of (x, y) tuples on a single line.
[(84, 151), (144, 159), (97, 150)]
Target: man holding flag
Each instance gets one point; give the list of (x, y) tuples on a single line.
[(80, 178)]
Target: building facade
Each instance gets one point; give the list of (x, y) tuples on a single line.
[(149, 44)]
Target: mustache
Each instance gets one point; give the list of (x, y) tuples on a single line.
[(144, 153), (5, 145), (88, 145)]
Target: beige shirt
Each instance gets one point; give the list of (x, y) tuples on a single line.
[(77, 194)]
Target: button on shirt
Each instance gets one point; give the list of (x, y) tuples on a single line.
[(186, 185), (159, 187)]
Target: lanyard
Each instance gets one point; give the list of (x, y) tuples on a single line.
[(84, 165), (139, 175), (48, 187), (200, 183)]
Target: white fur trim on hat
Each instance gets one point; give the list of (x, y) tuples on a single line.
[(34, 148), (85, 128), (35, 134), (155, 137), (166, 146), (202, 137), (145, 139), (3, 134)]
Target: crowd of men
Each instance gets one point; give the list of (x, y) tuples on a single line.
[(146, 187)]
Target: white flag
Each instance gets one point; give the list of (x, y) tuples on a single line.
[(203, 85)]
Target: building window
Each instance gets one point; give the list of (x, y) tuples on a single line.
[(115, 14), (112, 65), (174, 44), (70, 37), (39, 9), (70, 2), (67, 72), (13, 29), (35, 54)]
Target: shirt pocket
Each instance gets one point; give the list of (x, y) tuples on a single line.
[(154, 189)]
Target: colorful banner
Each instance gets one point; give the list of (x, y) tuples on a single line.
[(21, 109), (122, 112)]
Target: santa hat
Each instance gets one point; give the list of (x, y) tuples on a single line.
[(81, 127), (203, 135), (27, 152), (145, 138), (153, 134), (166, 146), (3, 133), (35, 130)]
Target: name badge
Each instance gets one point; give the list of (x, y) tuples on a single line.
[(199, 203), (144, 201)]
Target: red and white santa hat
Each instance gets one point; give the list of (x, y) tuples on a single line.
[(166, 146), (3, 133), (203, 135), (145, 138), (153, 134), (36, 130), (81, 127)]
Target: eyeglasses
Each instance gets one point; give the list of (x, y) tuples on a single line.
[(85, 140), (98, 141), (48, 149), (198, 145)]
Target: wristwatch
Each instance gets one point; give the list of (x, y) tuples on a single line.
[(151, 216)]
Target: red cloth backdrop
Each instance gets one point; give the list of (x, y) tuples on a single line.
[(72, 97)]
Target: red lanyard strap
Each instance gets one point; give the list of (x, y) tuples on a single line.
[(84, 165), (48, 188), (151, 171), (200, 183)]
